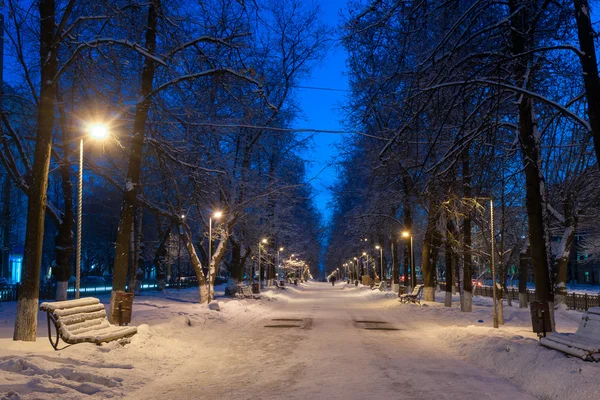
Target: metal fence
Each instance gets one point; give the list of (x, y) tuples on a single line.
[(574, 301), (48, 290)]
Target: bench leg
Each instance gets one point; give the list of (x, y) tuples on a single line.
[(53, 343)]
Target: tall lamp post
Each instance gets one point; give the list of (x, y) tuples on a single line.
[(492, 258), (413, 274), (367, 256), (263, 241), (100, 132), (356, 269), (278, 263), (378, 247), (216, 215)]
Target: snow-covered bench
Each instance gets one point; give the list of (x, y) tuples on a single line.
[(414, 297), (584, 343), (82, 320), (380, 286), (243, 291)]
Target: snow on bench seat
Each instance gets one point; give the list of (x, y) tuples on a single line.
[(84, 320), (584, 343)]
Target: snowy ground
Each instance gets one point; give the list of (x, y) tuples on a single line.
[(185, 351)]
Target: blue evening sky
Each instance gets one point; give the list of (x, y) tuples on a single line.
[(322, 111)]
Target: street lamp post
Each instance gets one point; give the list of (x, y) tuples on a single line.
[(278, 263), (367, 256), (216, 215), (413, 275), (98, 131), (494, 290), (259, 272), (378, 247), (492, 258)]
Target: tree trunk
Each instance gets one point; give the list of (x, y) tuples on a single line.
[(27, 306), (524, 256), (236, 260), (466, 293), (196, 264), (64, 244), (395, 265), (160, 257), (562, 261), (589, 65), (5, 225), (5, 221), (522, 36), (430, 251), (450, 260), (132, 182), (214, 264), (406, 208)]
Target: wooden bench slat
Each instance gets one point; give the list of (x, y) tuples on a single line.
[(51, 306), (584, 343), (78, 310), (78, 318)]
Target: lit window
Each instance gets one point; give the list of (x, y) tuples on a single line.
[(16, 263)]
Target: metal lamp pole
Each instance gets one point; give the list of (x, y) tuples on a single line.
[(259, 272), (495, 320), (413, 270), (413, 274), (79, 218), (380, 260), (98, 131), (278, 263)]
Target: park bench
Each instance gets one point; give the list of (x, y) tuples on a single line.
[(584, 343), (243, 291), (82, 320), (414, 297), (380, 286)]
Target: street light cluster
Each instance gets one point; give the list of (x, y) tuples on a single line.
[(351, 270)]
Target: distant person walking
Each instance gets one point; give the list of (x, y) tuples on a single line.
[(333, 278)]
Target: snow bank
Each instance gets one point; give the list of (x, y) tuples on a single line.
[(512, 351)]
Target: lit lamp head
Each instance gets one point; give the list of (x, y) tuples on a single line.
[(355, 258), (281, 249), (182, 216), (264, 241), (377, 247), (217, 214), (98, 131), (364, 253), (406, 234)]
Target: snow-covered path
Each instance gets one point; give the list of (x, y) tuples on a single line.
[(330, 356)]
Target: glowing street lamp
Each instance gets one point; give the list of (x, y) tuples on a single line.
[(278, 263), (99, 132), (263, 241), (216, 215), (378, 247), (367, 256), (413, 275)]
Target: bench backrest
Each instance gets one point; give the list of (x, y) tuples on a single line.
[(75, 317), (589, 326), (417, 289)]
